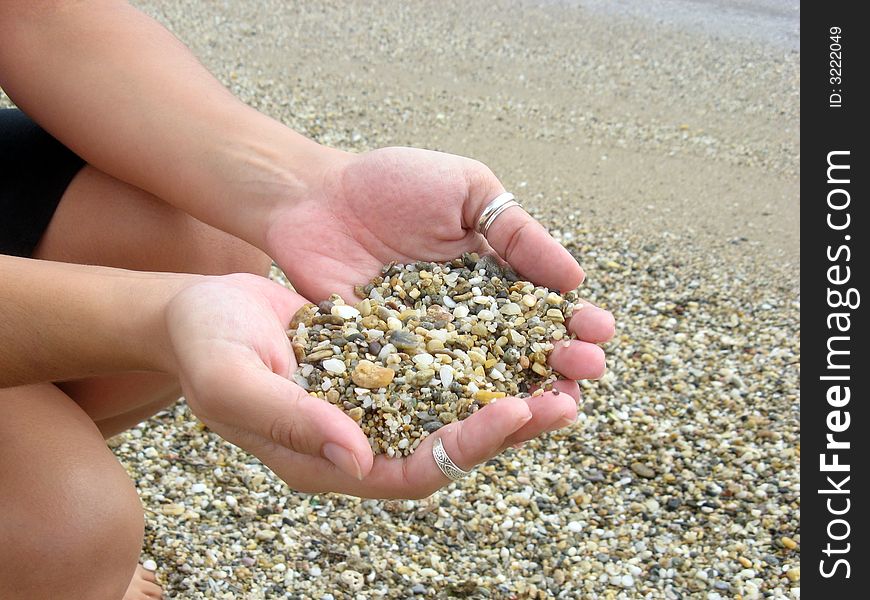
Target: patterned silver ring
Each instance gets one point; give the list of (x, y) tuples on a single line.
[(447, 466), (499, 204)]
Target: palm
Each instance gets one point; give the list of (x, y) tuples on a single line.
[(403, 204), (397, 204)]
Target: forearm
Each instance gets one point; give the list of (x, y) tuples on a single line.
[(127, 96), (60, 321)]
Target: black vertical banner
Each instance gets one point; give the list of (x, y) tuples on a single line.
[(835, 465)]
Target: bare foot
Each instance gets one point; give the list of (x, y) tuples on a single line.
[(143, 586)]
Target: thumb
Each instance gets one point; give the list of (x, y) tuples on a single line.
[(276, 409), (519, 239)]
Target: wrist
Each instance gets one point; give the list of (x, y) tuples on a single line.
[(143, 333), (269, 168)]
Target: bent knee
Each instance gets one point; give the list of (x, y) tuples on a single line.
[(82, 543)]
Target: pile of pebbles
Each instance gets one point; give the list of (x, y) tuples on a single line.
[(429, 344)]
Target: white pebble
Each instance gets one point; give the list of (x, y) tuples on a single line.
[(198, 488), (326, 384), (424, 359), (314, 571), (439, 334), (345, 312), (428, 572), (386, 351), (149, 565), (448, 302), (627, 581), (511, 308), (231, 501), (461, 311), (445, 374), (334, 365), (575, 527), (485, 315)]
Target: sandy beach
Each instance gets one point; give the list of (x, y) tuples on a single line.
[(660, 145)]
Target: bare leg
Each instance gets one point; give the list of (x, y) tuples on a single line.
[(66, 504), (101, 220)]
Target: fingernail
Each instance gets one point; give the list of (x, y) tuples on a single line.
[(342, 458), (566, 421)]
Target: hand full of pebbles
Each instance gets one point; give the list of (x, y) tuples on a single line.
[(428, 345)]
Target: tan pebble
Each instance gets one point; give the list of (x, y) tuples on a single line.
[(789, 543), (745, 562), (356, 413), (424, 376), (364, 307), (352, 579), (173, 509), (305, 316), (486, 396), (524, 362), (480, 330), (517, 338), (554, 314), (373, 322), (538, 392), (540, 369), (476, 357), (793, 574), (318, 356), (371, 376), (243, 572), (529, 300), (554, 299)]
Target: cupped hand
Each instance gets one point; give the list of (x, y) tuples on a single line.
[(227, 335), (407, 204), (234, 360)]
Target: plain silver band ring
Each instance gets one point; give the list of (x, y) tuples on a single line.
[(447, 466), (498, 205)]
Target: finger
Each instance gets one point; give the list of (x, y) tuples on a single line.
[(590, 323), (469, 442), (574, 359), (532, 252), (278, 410), (550, 411)]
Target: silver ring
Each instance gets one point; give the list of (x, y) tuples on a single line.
[(447, 466), (499, 204)]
